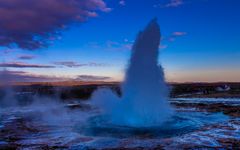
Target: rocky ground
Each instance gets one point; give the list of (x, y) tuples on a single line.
[(229, 107), (20, 130)]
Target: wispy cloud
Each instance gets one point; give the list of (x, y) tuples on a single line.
[(92, 78), (179, 33), (174, 3), (23, 65), (122, 2), (33, 24), (170, 3), (8, 76), (163, 46), (72, 64), (173, 36), (26, 57), (7, 51), (123, 45), (165, 41), (21, 76)]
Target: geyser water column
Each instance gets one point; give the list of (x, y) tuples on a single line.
[(144, 100), (144, 89)]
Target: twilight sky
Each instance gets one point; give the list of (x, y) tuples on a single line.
[(91, 39)]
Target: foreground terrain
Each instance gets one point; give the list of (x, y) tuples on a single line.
[(64, 121)]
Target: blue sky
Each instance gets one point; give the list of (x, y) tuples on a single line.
[(200, 42)]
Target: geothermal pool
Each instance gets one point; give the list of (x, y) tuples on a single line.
[(181, 123)]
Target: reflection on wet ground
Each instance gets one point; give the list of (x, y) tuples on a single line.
[(68, 127)]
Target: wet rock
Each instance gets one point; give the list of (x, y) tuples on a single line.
[(83, 107), (230, 143), (233, 111), (7, 146), (14, 130)]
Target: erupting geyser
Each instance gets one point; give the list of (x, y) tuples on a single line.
[(144, 100)]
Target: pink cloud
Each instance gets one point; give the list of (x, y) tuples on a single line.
[(174, 3), (21, 76), (7, 51), (92, 78), (23, 65), (171, 39), (163, 46), (179, 33), (72, 64), (122, 2), (128, 46), (170, 3), (111, 44), (173, 36), (26, 57), (31, 24)]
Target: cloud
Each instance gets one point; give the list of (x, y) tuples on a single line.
[(23, 65), (124, 44), (111, 44), (7, 51), (122, 2), (174, 3), (72, 64), (173, 36), (94, 64), (26, 57), (163, 46), (92, 78), (33, 24), (170, 3), (128, 46), (117, 46), (179, 33), (21, 76)]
